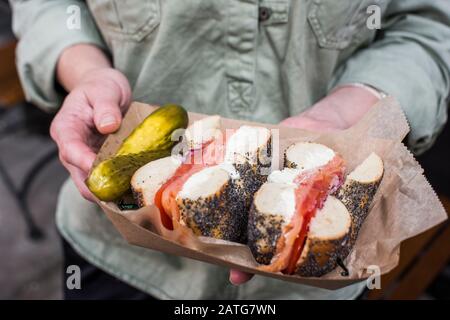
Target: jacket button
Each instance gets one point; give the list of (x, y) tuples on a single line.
[(264, 13)]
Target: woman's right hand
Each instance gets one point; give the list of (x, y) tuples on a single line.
[(92, 109)]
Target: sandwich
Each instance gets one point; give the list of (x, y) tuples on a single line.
[(210, 188), (305, 219)]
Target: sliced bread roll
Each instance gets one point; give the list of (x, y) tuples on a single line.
[(202, 131), (354, 197), (328, 234), (327, 241), (249, 149), (359, 189), (213, 196), (273, 208), (211, 204), (249, 144), (147, 180), (274, 205), (215, 201), (307, 155), (344, 218)]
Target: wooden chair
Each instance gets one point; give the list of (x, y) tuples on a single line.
[(10, 89), (422, 258)]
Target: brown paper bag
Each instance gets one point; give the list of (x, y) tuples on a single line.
[(404, 206)]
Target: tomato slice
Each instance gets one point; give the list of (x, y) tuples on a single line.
[(210, 154), (313, 187), (311, 194), (164, 203), (165, 218)]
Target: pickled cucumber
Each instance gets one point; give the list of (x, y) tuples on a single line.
[(155, 131), (151, 140), (110, 179)]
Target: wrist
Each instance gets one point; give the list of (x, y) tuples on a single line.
[(377, 93), (344, 106), (77, 61)]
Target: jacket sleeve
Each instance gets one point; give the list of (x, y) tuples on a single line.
[(410, 61), (44, 29)]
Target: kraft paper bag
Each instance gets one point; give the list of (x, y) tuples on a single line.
[(404, 206)]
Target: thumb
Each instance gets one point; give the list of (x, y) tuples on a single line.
[(107, 116), (238, 277)]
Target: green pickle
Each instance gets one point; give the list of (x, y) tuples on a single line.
[(154, 133), (110, 179), (150, 141)]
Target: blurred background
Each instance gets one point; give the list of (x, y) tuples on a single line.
[(31, 175)]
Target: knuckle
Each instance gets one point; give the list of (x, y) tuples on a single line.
[(54, 129), (63, 153), (61, 158)]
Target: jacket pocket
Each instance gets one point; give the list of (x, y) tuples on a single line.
[(127, 19), (339, 24)]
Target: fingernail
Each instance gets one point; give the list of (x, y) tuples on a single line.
[(107, 120)]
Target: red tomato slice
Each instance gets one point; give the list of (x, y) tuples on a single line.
[(312, 190), (165, 198), (309, 199), (162, 196)]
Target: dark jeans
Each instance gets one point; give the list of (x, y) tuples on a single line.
[(95, 283)]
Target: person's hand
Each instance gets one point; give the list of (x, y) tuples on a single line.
[(337, 111), (93, 108), (340, 110)]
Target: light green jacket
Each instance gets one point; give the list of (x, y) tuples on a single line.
[(261, 60)]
